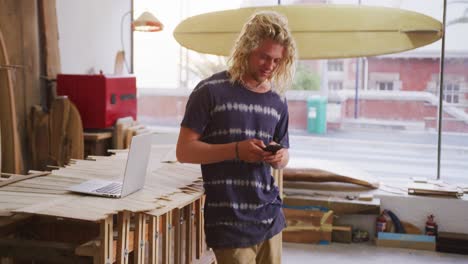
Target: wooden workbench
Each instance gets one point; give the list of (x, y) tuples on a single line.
[(162, 223)]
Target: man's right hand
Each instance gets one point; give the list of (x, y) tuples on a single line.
[(251, 150)]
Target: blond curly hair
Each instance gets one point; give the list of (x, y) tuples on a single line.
[(264, 25)]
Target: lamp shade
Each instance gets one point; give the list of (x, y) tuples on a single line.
[(147, 22)]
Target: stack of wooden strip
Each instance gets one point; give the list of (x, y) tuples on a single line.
[(166, 215), (167, 186), (308, 225), (125, 129)]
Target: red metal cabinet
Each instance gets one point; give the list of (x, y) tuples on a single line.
[(100, 99)]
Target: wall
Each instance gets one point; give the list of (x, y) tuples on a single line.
[(391, 109), (414, 73), (89, 33)]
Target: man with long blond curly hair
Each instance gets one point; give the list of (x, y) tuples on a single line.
[(236, 127)]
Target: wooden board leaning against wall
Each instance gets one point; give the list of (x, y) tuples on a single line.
[(19, 25), (11, 151)]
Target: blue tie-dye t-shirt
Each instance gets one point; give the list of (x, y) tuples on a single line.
[(242, 206)]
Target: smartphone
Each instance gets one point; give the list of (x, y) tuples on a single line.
[(273, 148)]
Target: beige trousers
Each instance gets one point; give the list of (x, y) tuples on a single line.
[(266, 252)]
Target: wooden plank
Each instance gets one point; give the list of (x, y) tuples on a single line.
[(320, 187), (16, 178), (89, 249), (106, 237), (131, 131), (307, 226), (66, 132), (28, 77), (15, 47), (38, 130), (338, 205), (439, 189), (175, 200), (203, 244), (58, 120), (20, 19), (74, 135), (408, 241), (153, 239), (123, 227), (128, 134), (120, 127), (17, 56), (140, 238), (96, 136), (342, 234), (11, 146), (118, 137), (177, 221), (325, 174), (198, 229), (50, 37), (189, 217), (166, 237), (93, 248)]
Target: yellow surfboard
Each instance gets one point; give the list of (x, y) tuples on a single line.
[(320, 31)]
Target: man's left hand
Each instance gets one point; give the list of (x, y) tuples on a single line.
[(278, 160)]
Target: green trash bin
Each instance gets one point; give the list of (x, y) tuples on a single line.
[(317, 114)]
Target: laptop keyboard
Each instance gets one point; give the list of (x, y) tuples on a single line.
[(113, 188)]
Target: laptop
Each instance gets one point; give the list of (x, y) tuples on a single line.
[(134, 177)]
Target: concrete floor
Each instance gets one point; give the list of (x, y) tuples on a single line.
[(294, 253)]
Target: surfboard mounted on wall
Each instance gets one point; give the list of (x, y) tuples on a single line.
[(320, 31)]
